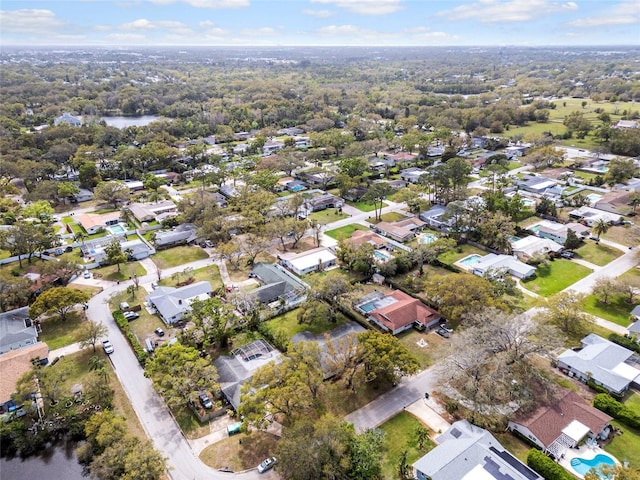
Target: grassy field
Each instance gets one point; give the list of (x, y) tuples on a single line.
[(327, 216), (344, 232), (57, 333), (143, 326), (288, 323), (515, 445), (173, 257), (598, 254), (425, 354), (362, 206), (210, 273), (392, 217), (625, 447), (452, 256), (240, 452), (616, 311), (554, 277), (400, 437), (127, 270), (621, 234)]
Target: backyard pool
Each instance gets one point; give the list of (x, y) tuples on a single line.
[(470, 260), (593, 197), (534, 228), (367, 307), (425, 238), (297, 188), (582, 466), (380, 255), (116, 229)]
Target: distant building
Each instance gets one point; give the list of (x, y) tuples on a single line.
[(278, 285), (173, 303), (592, 215), (148, 212), (528, 247), (68, 119), (494, 262), (17, 330), (315, 260), (180, 235)]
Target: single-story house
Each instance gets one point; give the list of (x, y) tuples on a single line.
[(136, 248), (322, 202), (537, 185), (412, 175), (277, 285), (433, 218), (318, 178), (83, 195), (134, 185), (592, 215), (17, 330), (296, 185), (397, 311), (606, 363), (622, 124), (315, 260), (290, 131), (172, 303), (558, 232), (402, 230), (563, 424), (281, 184), (271, 146), (148, 212), (612, 201), (530, 246), (182, 234), (508, 263), (467, 452), (68, 119), (396, 184), (302, 142), (401, 157), (235, 370), (360, 237), (356, 193), (515, 151), (229, 191), (377, 164), (15, 363), (634, 328), (92, 222)]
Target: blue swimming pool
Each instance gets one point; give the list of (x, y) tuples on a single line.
[(471, 260), (426, 238), (297, 188), (582, 466), (380, 255), (367, 307), (116, 229)]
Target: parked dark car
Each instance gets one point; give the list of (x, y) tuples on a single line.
[(567, 254), (158, 331), (205, 401), (442, 332)]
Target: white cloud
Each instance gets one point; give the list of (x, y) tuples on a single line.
[(126, 38), (365, 7), (144, 24), (29, 21), (337, 30), (207, 3), (318, 13), (495, 11), (425, 33), (258, 32), (624, 13), (206, 23), (102, 28)]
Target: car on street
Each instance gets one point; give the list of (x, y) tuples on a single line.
[(446, 327), (130, 315), (442, 332), (86, 274), (205, 401), (158, 331), (108, 348), (267, 464), (567, 254)]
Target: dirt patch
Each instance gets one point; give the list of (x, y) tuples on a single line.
[(240, 452)]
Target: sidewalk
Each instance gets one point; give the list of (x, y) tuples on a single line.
[(66, 350), (428, 412)]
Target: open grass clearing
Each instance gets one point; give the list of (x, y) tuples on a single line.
[(424, 346), (210, 273), (57, 333), (392, 217), (329, 215), (345, 232), (458, 253), (240, 452), (625, 447), (143, 326), (242, 273), (288, 323), (189, 423), (173, 257), (616, 311), (127, 270), (598, 254), (555, 277), (362, 206), (399, 437), (518, 447), (621, 234)]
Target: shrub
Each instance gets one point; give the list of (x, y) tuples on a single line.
[(625, 342), (600, 389), (123, 324), (617, 410), (546, 467)]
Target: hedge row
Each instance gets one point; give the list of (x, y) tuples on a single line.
[(625, 342), (547, 468), (617, 410), (125, 328), (600, 389)]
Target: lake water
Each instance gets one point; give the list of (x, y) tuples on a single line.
[(123, 122), (55, 462)]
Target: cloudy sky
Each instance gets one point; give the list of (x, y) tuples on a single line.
[(320, 22)]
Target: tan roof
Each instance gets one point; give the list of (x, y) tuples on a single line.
[(404, 311), (15, 363), (89, 220), (360, 237), (394, 229), (547, 422)]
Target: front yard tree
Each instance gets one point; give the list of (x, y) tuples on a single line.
[(215, 318), (573, 241), (113, 192), (628, 288), (179, 373), (496, 230), (600, 227), (152, 182), (603, 288), (91, 332), (115, 255), (386, 358), (60, 300), (231, 252), (62, 270), (547, 207), (26, 238), (376, 196), (68, 190), (565, 309)]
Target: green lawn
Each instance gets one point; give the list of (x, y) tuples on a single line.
[(362, 206), (210, 273), (598, 254), (345, 232), (127, 270), (616, 311), (58, 333), (425, 354), (392, 217), (513, 444), (452, 256), (327, 216), (632, 401), (288, 323), (555, 276), (143, 326), (625, 447), (175, 256), (400, 436)]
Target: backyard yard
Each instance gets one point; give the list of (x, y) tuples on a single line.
[(173, 257), (555, 277), (598, 254), (288, 324), (210, 273), (616, 311), (625, 447), (344, 232), (327, 216), (143, 326), (57, 333), (127, 270), (240, 452), (458, 253)]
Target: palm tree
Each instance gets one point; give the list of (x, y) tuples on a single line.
[(600, 228)]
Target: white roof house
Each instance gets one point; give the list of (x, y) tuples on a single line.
[(172, 303), (467, 452), (558, 231), (495, 262), (69, 119), (606, 363), (310, 261), (592, 215), (528, 247)]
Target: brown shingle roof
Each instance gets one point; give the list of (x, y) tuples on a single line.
[(547, 422), (404, 311), (15, 363), (360, 237)]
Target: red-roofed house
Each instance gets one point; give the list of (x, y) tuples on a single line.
[(563, 424), (397, 311)]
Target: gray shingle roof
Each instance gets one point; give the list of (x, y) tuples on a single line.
[(172, 302)]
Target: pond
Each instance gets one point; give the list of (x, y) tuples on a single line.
[(55, 461), (124, 122)]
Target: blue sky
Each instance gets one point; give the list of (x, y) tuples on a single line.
[(320, 22)]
